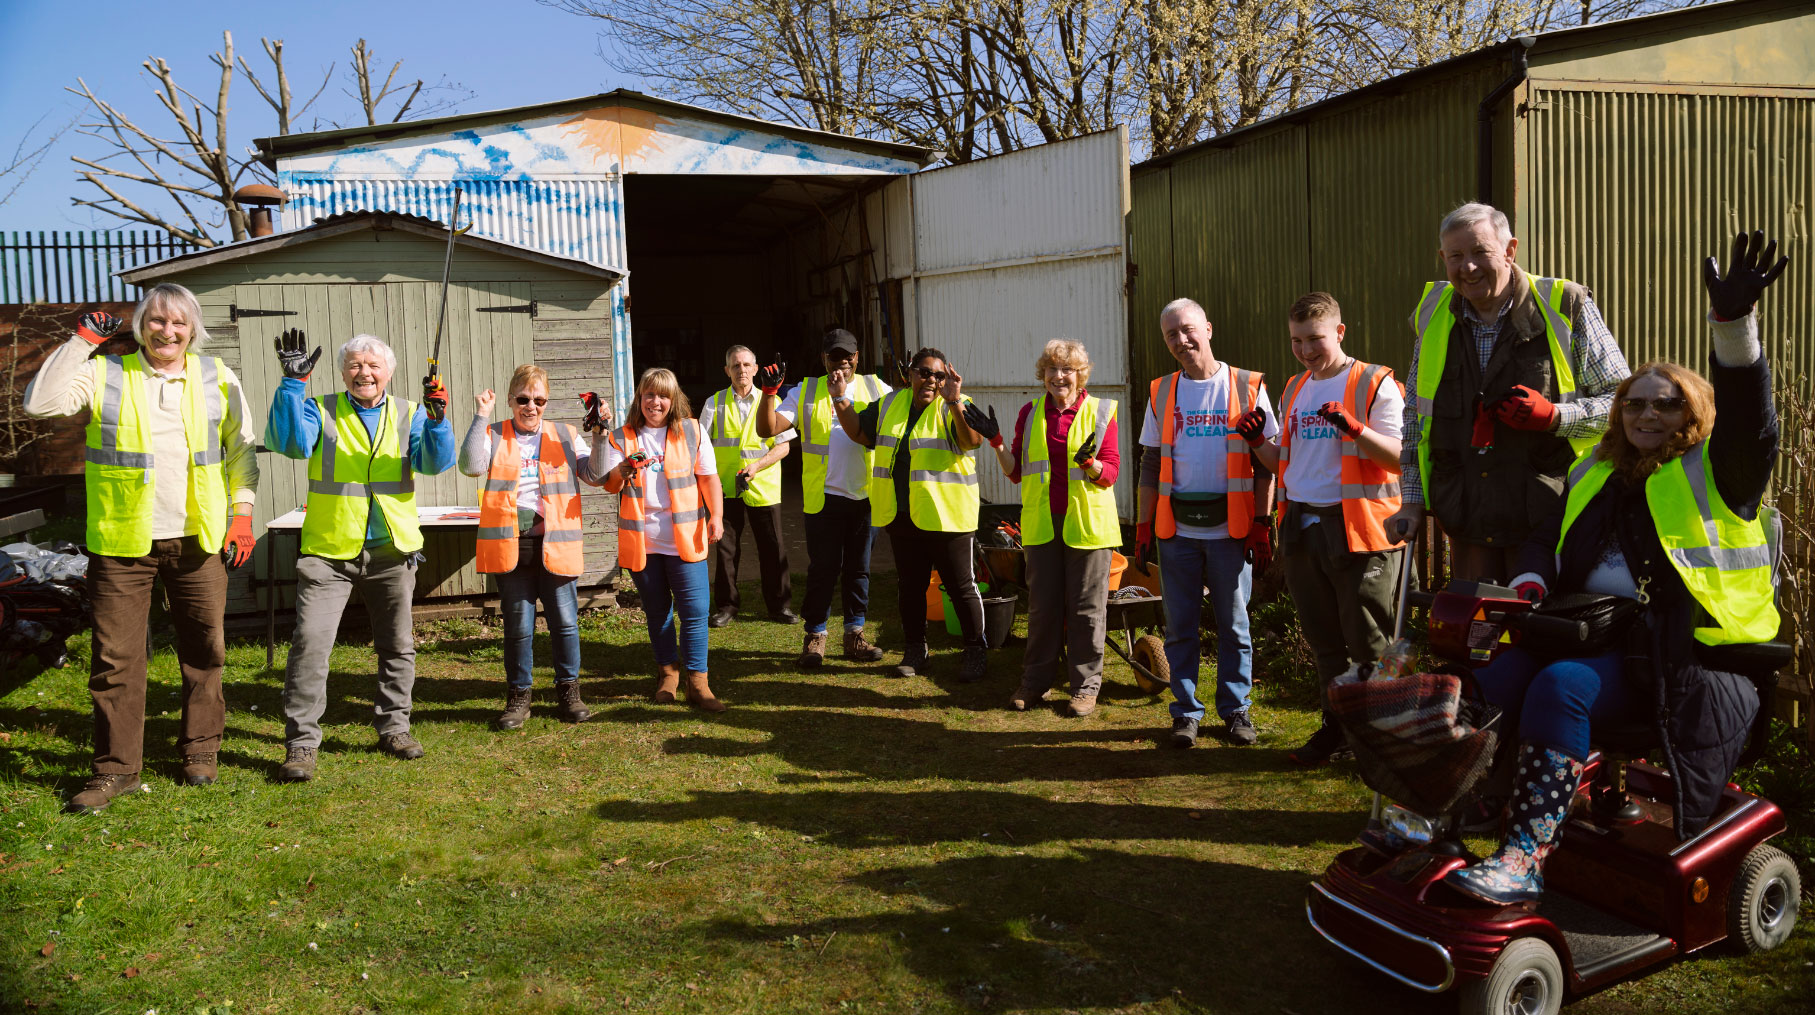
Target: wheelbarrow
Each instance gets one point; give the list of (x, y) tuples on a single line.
[(1137, 605)]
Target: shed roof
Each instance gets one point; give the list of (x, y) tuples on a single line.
[(273, 148), (350, 222), (1542, 47)]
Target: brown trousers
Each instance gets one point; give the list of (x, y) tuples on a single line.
[(120, 588)]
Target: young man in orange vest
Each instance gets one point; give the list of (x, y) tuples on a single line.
[(1338, 465), (1210, 509)]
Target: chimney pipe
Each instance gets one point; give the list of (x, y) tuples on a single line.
[(260, 197)]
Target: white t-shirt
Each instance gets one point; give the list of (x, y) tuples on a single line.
[(658, 525), (846, 474), (1313, 475), (1200, 430)]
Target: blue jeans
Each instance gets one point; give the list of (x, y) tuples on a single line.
[(518, 591), (1554, 703), (838, 553), (670, 585), (1186, 565)]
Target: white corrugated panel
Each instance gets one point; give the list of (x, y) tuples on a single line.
[(994, 322)]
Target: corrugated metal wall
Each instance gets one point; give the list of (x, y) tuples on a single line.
[(1632, 188), (1150, 257)]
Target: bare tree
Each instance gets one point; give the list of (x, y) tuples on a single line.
[(26, 157), (190, 165)]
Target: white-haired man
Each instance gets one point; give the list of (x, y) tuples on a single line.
[(1512, 376), (364, 450)]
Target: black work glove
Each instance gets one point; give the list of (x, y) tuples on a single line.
[(770, 376), (986, 426), (1087, 452), (595, 412), (743, 482), (97, 326), (434, 398), (1749, 271), (293, 354)]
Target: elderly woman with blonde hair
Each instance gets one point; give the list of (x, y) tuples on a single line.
[(1065, 457)]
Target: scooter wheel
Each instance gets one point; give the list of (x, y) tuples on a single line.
[(1527, 979), (1761, 908), (1150, 654)]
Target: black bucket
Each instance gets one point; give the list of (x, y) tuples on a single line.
[(999, 619)]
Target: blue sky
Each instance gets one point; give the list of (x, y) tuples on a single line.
[(506, 52)]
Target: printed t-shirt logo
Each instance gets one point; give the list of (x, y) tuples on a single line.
[(1198, 423), (1312, 427)]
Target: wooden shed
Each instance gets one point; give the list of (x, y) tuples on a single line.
[(379, 273)]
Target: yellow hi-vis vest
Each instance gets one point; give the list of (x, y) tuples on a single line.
[(815, 418), (1726, 561), (352, 474), (736, 445), (119, 469), (942, 480), (1435, 322), (1091, 521)]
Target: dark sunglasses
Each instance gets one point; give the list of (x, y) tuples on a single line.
[(930, 375), (1674, 403), (525, 400)]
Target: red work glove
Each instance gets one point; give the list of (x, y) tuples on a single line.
[(1337, 415), (1483, 434), (1531, 592), (1525, 409), (1143, 542), (97, 326), (1259, 543), (1253, 427), (239, 544), (434, 398)]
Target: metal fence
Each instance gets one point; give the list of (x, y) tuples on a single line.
[(78, 267)]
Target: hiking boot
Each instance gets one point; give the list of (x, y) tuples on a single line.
[(667, 683), (1326, 745), (975, 665), (721, 617), (859, 651), (200, 769), (1081, 704), (298, 766), (516, 709), (102, 787), (1025, 698), (699, 694), (571, 709), (401, 746), (1238, 730), (1184, 732), (913, 661), (813, 651)]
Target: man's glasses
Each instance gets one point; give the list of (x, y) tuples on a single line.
[(1660, 405), (930, 375), (525, 400)]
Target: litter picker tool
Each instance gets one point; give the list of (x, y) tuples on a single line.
[(447, 264)]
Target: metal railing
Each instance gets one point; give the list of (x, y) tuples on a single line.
[(78, 267)]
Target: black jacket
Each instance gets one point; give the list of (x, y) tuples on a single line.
[(1703, 715)]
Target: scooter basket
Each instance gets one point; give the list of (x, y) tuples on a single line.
[(1418, 739)]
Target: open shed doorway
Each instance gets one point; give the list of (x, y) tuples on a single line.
[(769, 262)]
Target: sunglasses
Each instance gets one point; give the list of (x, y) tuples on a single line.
[(1661, 406), (525, 400), (930, 375)]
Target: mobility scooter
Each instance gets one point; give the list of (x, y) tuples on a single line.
[(1622, 894)]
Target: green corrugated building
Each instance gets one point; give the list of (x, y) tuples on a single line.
[(1623, 153)]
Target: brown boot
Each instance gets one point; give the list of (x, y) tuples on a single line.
[(667, 681), (1082, 704), (516, 709), (572, 709), (200, 769), (859, 651), (700, 696), (813, 651), (100, 791), (1025, 698)]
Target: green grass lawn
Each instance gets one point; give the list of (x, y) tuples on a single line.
[(839, 841)]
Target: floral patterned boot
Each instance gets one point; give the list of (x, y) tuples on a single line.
[(1545, 788)]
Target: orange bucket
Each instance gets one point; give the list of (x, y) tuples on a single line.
[(935, 599), (1117, 565)]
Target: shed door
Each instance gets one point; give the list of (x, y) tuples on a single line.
[(1014, 250)]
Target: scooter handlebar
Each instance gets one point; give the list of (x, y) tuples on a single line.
[(1538, 625)]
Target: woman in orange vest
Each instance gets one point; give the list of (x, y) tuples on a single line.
[(529, 533), (670, 512)]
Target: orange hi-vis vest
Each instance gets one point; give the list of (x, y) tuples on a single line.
[(686, 511), (1370, 493), (1244, 394), (560, 492)]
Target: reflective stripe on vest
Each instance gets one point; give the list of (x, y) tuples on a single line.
[(120, 465), (686, 514), (1091, 521), (1244, 394), (942, 480), (737, 446), (1370, 493), (1436, 319), (814, 418), (558, 488), (352, 473), (1725, 561)]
